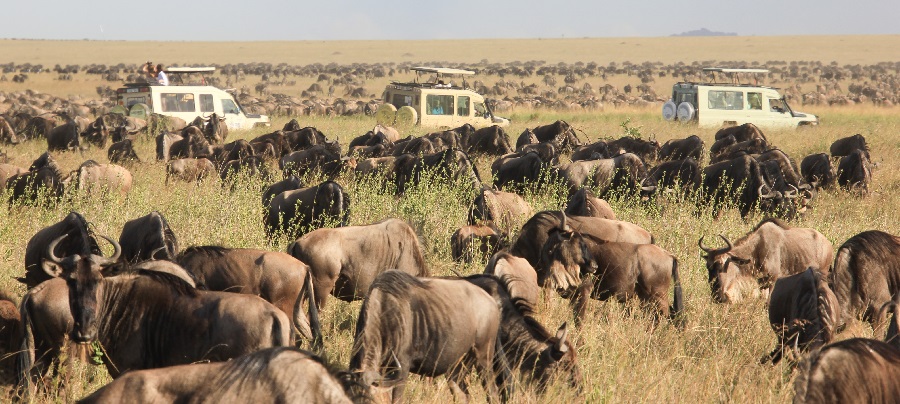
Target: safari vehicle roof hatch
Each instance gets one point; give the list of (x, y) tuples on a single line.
[(189, 76), (734, 75)]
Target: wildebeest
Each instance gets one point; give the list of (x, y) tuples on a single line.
[(324, 158), (584, 203), (278, 374), (80, 239), (64, 137), (250, 166), (305, 138), (593, 151), (97, 179), (450, 165), (8, 171), (623, 172), (526, 138), (579, 266), (845, 146), (682, 175), (817, 170), (803, 312), (191, 145), (277, 277), (866, 275), (769, 251), (444, 140), (854, 172), (504, 209), (164, 142), (560, 131), (345, 261), (288, 184), (491, 140), (370, 166), (647, 150), (720, 145), (414, 325), (189, 169), (143, 320), (678, 149), (753, 146), (741, 133), (96, 133), (7, 133), (740, 180), (38, 127), (122, 152), (235, 150), (148, 238), (215, 130), (10, 335), (519, 277), (415, 146), (312, 206), (534, 233), (522, 170), (856, 370), (477, 241), (44, 182)]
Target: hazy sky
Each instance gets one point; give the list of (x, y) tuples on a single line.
[(231, 20)]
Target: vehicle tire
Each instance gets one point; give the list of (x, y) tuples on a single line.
[(685, 112), (386, 115), (119, 109), (141, 111), (669, 110), (406, 116)]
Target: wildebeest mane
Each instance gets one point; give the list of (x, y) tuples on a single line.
[(175, 283), (211, 251), (520, 307), (398, 284)]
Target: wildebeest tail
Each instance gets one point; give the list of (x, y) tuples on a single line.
[(278, 333), (678, 299), (25, 357), (502, 371), (843, 282), (313, 312)]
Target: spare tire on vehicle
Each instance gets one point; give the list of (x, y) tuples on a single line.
[(386, 114), (685, 112), (669, 110)]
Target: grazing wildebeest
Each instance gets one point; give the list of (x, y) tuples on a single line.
[(504, 209), (535, 232), (476, 242), (97, 179), (122, 152), (278, 374), (866, 275), (39, 126), (593, 151), (189, 169), (143, 320), (450, 165), (519, 277), (7, 133), (96, 133), (191, 145), (647, 150), (288, 184), (584, 203), (740, 180), (415, 146), (491, 140), (305, 138), (277, 277), (345, 261), (80, 240), (415, 325), (753, 146), (682, 175), (818, 171), (148, 238), (64, 137), (539, 356), (323, 158), (312, 206), (215, 130), (623, 172), (549, 152), (521, 170), (580, 266), (769, 251), (277, 140), (560, 131), (856, 370), (741, 133), (678, 149), (854, 173), (844, 146), (235, 150), (444, 140), (803, 312), (41, 185)]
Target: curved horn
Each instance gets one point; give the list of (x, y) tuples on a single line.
[(156, 251), (713, 252), (117, 249), (769, 195), (562, 224), (792, 195), (52, 246)]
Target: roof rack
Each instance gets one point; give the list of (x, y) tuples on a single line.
[(204, 69), (442, 71), (735, 74)]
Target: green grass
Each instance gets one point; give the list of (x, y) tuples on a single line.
[(715, 358)]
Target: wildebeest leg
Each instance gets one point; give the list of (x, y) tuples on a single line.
[(580, 299), (458, 386)]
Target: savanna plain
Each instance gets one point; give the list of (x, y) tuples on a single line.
[(713, 358)]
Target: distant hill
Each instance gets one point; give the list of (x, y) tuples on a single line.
[(705, 32)]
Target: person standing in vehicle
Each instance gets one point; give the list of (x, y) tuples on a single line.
[(161, 77)]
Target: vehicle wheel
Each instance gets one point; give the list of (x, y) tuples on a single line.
[(406, 116), (141, 111), (386, 115), (669, 110), (685, 111), (119, 109)]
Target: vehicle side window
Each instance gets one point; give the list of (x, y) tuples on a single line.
[(135, 100), (172, 102), (439, 104), (206, 103), (229, 107), (685, 97), (480, 109), (729, 100), (462, 106), (401, 100), (754, 101)]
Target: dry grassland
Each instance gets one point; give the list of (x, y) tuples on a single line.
[(714, 359)]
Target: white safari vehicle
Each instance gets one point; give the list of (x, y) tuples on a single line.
[(438, 102), (716, 104), (187, 96)]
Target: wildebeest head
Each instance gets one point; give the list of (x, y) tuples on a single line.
[(725, 275), (565, 258), (83, 273), (558, 360), (97, 133)]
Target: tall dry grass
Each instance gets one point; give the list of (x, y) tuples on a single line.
[(715, 357)]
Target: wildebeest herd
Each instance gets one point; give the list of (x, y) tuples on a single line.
[(154, 308)]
